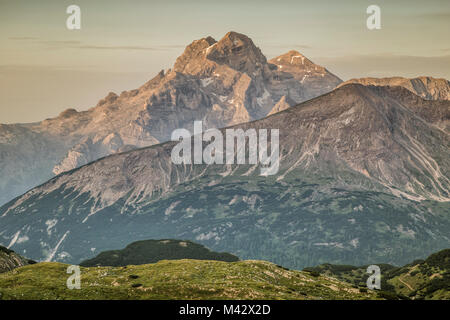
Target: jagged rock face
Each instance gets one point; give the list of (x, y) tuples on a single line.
[(426, 87), (220, 82), (9, 260), (364, 177)]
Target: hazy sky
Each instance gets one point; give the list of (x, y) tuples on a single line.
[(46, 68)]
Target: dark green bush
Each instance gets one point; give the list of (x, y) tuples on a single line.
[(5, 250), (315, 274), (387, 295)]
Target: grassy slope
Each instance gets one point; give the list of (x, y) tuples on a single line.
[(429, 279), (421, 279), (175, 279), (357, 276)]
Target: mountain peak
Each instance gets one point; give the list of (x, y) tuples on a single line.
[(193, 53), (292, 53), (234, 50), (294, 58), (237, 51), (235, 36)]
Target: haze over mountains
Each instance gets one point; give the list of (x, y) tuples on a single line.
[(364, 178), (220, 82)]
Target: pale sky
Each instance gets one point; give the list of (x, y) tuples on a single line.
[(46, 68)]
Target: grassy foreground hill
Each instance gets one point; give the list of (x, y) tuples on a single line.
[(421, 279), (176, 279), (151, 251)]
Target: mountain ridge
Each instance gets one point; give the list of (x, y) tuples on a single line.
[(425, 87)]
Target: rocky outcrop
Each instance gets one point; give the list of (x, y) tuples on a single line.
[(10, 260)]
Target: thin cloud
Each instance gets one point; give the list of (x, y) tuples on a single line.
[(173, 46), (301, 46), (98, 47), (435, 16), (59, 42), (74, 44), (292, 46), (22, 38)]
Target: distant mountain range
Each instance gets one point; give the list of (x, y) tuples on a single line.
[(364, 177), (222, 82), (151, 251), (425, 87)]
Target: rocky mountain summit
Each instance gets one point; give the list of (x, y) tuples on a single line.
[(221, 82), (363, 178), (426, 87)]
